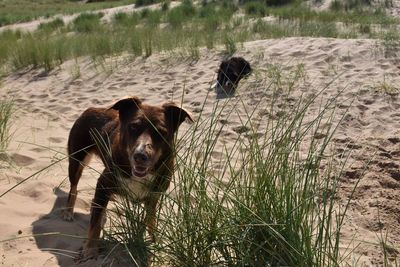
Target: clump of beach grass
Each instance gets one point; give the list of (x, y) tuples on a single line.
[(40, 52), (267, 205), (129, 20), (146, 2), (391, 43), (255, 8), (87, 22), (51, 26), (6, 111)]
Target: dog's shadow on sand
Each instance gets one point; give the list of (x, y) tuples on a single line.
[(65, 239), (61, 238), (221, 93)]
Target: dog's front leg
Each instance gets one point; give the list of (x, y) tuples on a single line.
[(150, 219), (99, 204)]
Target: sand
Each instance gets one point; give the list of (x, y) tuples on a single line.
[(47, 105)]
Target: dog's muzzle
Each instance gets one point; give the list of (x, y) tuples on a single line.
[(140, 163)]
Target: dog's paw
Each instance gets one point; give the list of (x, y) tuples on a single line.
[(67, 215), (87, 254)]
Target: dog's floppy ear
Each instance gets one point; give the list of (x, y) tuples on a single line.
[(175, 115), (127, 106)]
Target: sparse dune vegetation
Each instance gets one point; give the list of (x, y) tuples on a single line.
[(300, 166), (185, 27)]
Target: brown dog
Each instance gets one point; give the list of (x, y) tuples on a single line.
[(141, 138)]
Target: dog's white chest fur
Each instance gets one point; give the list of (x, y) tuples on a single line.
[(139, 188)]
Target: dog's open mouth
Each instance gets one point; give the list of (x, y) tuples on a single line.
[(140, 171)]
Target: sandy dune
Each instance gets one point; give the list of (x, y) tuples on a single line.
[(48, 105)]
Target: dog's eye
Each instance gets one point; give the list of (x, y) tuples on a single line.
[(159, 134), (133, 128)]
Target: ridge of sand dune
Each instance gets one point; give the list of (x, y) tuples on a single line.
[(47, 107)]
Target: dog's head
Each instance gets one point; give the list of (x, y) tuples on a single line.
[(147, 132), (231, 71)]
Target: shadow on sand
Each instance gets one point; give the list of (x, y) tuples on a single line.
[(65, 239), (221, 93), (61, 238)]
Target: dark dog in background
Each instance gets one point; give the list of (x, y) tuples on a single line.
[(231, 71), (141, 153)]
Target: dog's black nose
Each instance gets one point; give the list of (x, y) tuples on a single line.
[(140, 157)]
